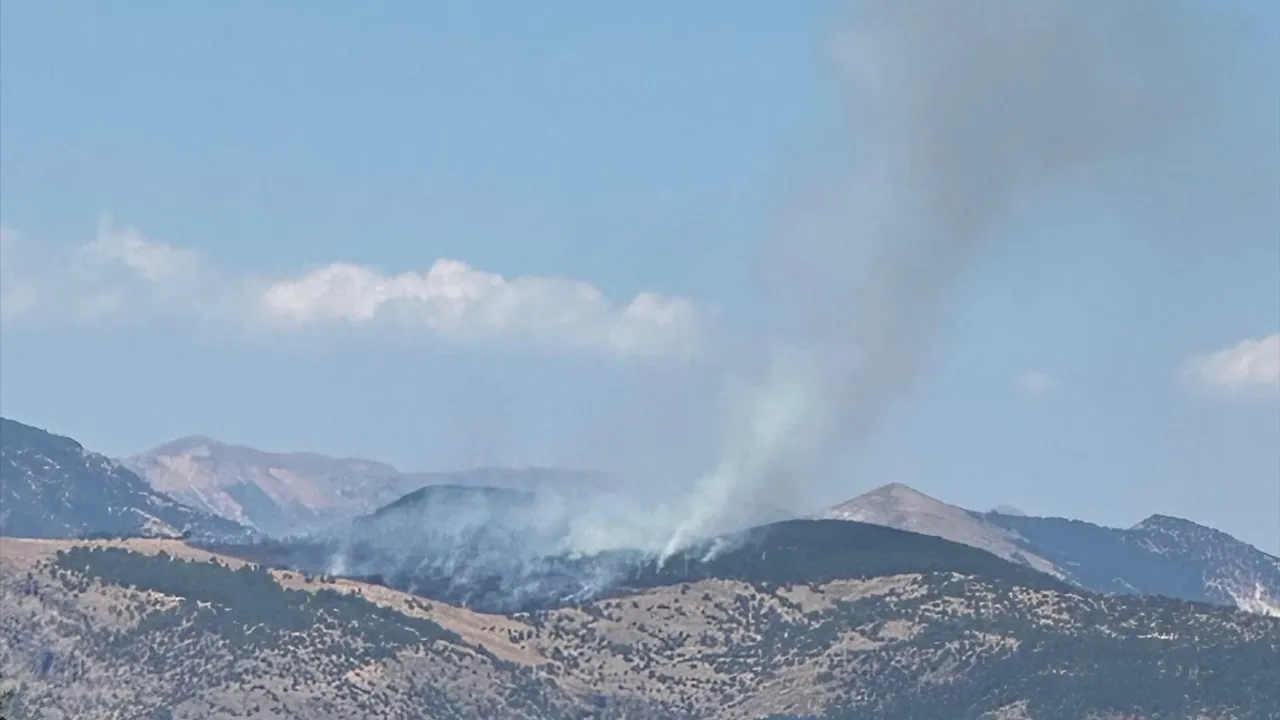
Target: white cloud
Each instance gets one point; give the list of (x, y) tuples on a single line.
[(17, 294), (1035, 383), (1250, 369), (116, 249), (458, 301), (118, 275), (122, 275)]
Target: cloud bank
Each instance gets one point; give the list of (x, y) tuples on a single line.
[(121, 275), (1250, 369), (454, 300)]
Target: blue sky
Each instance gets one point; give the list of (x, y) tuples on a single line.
[(178, 183)]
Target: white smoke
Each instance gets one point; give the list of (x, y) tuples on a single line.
[(966, 112)]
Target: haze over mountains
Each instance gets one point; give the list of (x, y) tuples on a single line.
[(288, 493), (500, 524), (281, 493), (471, 586)]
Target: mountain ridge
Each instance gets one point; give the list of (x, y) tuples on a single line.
[(1161, 554), (52, 486), (295, 492), (809, 618), (903, 507)]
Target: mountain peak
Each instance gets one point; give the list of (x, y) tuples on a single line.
[(896, 488), (1181, 527), (1162, 519), (185, 444), (895, 498), (903, 507), (1008, 510), (15, 433), (452, 497), (899, 506), (1170, 522)]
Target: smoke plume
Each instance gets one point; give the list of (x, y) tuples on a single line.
[(965, 113)]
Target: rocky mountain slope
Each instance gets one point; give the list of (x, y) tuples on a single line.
[(51, 486), (902, 507), (158, 629), (1160, 555), (283, 493)]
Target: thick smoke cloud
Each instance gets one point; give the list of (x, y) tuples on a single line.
[(965, 113)]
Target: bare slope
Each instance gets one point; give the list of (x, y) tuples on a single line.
[(1161, 555), (125, 631), (905, 508), (282, 493)]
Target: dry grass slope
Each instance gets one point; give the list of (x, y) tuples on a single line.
[(79, 648)]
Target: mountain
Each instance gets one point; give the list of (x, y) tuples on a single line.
[(285, 493), (830, 620), (51, 486), (1160, 555), (905, 508), (272, 492), (493, 563), (492, 501)]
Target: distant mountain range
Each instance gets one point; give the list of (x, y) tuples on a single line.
[(496, 520), (1161, 555), (285, 493), (458, 601), (51, 486)]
